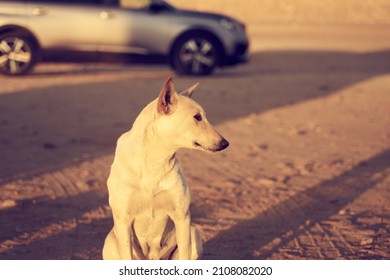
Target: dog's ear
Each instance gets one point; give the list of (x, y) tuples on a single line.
[(188, 92), (167, 97)]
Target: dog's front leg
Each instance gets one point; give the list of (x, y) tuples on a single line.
[(123, 233), (183, 236)]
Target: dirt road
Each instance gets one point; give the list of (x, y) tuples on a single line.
[(307, 175)]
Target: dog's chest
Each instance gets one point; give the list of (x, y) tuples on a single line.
[(153, 204), (153, 212)]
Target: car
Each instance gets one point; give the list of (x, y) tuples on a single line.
[(193, 43)]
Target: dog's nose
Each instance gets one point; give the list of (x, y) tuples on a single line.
[(223, 144)]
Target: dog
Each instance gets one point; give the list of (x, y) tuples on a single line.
[(148, 193)]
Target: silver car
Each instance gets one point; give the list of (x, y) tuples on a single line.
[(194, 43)]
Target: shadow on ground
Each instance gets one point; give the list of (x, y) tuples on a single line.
[(54, 229), (49, 128), (315, 204), (52, 127)]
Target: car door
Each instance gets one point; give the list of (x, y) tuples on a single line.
[(70, 24), (131, 27)]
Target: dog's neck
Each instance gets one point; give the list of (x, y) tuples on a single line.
[(155, 154), (157, 162), (158, 154)]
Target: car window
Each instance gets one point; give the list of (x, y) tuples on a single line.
[(134, 4)]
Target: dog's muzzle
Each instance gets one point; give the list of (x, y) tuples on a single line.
[(223, 145)]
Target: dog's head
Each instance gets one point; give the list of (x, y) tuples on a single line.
[(183, 122)]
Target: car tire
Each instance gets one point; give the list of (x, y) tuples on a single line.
[(18, 53), (195, 54)]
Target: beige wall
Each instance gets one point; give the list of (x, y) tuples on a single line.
[(297, 11)]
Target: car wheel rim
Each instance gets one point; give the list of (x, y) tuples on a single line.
[(15, 55), (198, 56)]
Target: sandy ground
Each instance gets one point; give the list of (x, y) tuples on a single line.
[(307, 175)]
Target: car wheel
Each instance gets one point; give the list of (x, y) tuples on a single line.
[(18, 53), (195, 55)]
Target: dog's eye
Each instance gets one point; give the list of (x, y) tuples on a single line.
[(198, 117)]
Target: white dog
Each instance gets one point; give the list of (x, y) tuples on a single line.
[(148, 194)]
